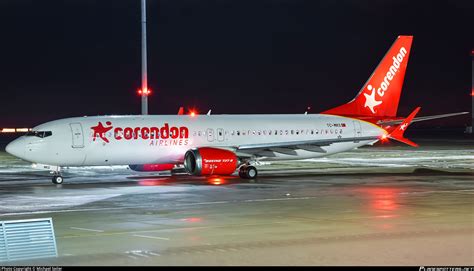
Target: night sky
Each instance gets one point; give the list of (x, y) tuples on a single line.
[(74, 58)]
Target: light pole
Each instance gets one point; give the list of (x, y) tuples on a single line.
[(144, 91)]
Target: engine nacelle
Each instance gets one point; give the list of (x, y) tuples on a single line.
[(210, 161), (152, 167)]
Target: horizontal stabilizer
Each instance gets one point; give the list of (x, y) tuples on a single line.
[(397, 134), (406, 141), (395, 122)]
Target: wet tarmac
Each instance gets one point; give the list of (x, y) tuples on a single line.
[(372, 206)]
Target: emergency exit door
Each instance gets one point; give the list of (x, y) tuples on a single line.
[(357, 129), (220, 134)]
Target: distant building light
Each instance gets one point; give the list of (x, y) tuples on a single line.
[(22, 130), (8, 130)]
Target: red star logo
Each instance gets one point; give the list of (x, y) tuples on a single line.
[(100, 130), (404, 126)]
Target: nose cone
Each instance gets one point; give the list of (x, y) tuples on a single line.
[(15, 148)]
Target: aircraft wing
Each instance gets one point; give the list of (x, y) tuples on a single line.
[(290, 147), (399, 121)]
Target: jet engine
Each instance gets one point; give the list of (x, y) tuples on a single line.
[(210, 161)]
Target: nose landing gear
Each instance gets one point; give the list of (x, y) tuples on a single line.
[(57, 177)]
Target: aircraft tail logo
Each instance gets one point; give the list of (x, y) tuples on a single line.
[(380, 95)]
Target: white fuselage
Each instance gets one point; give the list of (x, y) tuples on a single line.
[(146, 140)]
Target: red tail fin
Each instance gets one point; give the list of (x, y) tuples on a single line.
[(380, 95), (397, 133)]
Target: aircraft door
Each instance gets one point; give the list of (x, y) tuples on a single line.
[(77, 135), (357, 129)]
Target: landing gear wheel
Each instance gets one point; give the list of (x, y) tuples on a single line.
[(58, 179), (251, 172), (242, 172), (248, 172)]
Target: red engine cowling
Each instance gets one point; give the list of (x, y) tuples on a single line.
[(152, 167), (210, 161)]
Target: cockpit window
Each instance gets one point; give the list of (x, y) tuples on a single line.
[(41, 134)]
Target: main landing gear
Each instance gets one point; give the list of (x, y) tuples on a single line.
[(57, 177), (248, 172)]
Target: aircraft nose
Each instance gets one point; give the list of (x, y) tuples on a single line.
[(15, 148)]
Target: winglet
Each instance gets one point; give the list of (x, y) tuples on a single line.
[(181, 111), (397, 134)]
